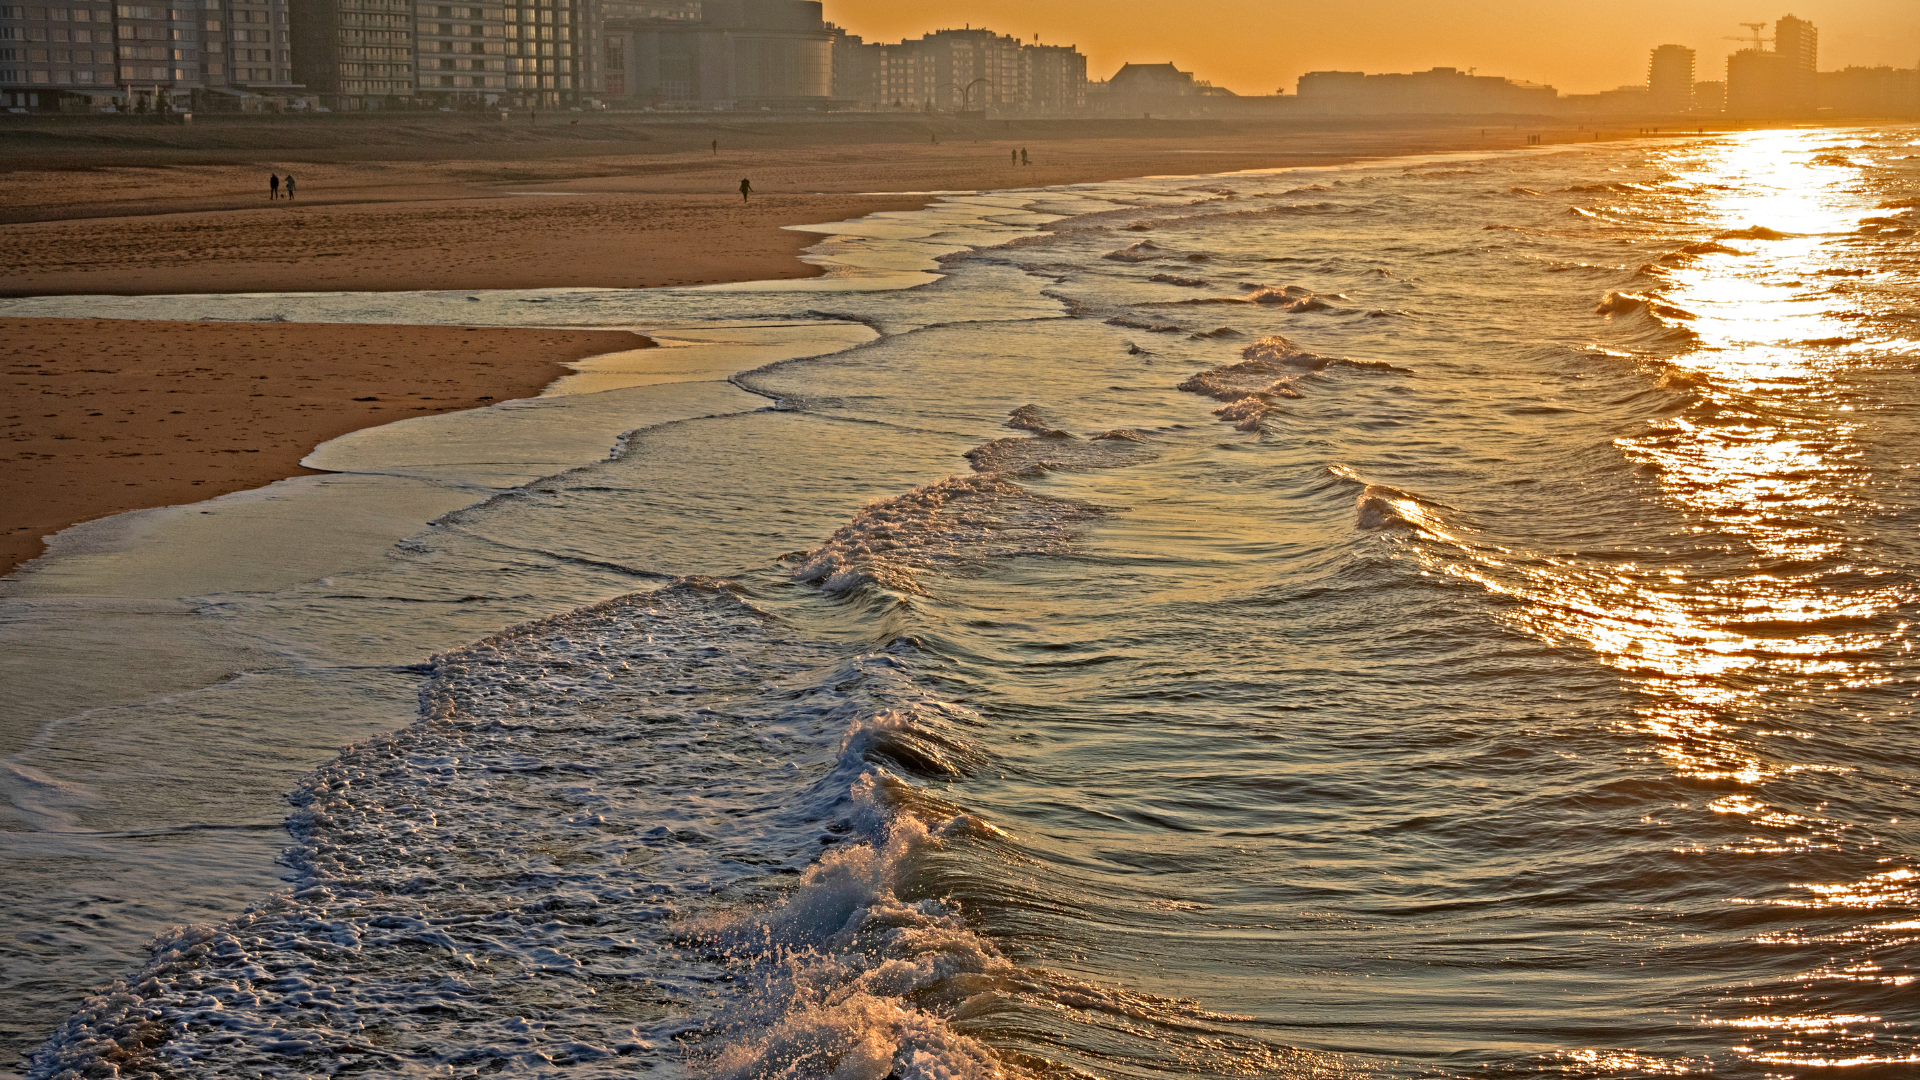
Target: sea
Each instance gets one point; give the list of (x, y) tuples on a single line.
[(1430, 617)]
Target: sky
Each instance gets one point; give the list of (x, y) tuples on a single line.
[(1258, 46)]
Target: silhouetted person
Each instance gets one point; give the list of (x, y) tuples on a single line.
[(273, 185), (1014, 157), (1023, 157), (716, 148), (746, 188), (288, 181)]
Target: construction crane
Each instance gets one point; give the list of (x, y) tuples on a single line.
[(1759, 43)]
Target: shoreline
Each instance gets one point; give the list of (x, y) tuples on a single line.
[(165, 413), (399, 227), (607, 204)]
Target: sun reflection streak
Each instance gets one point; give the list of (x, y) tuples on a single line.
[(1736, 644)]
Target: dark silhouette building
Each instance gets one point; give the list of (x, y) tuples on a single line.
[(1670, 79), (1781, 81), (721, 54), (1440, 90)]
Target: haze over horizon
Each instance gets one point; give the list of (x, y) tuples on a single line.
[(1253, 48)]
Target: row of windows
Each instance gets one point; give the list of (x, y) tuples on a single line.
[(57, 14), (58, 33), (396, 37), (358, 19), (138, 11), (59, 78), (57, 56)]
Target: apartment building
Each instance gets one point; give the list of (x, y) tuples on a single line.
[(1670, 79), (959, 70), (1781, 81), (721, 54), (355, 53), (191, 54), (52, 57), (1438, 90)]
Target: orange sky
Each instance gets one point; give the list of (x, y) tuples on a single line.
[(1254, 46)]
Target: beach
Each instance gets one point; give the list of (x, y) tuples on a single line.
[(450, 203), (1214, 621), (115, 415)]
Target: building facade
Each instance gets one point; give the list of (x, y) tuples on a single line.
[(60, 57), (85, 56), (1781, 81), (1670, 79), (721, 54), (1871, 92), (965, 70), (356, 53), (1440, 90)]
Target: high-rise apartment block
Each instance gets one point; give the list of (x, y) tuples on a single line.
[(372, 54), (49, 55), (356, 51), (721, 54), (1670, 79), (180, 55), (1782, 81), (360, 54), (964, 69)]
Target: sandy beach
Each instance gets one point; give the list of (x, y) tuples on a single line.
[(608, 203), (106, 416), (451, 202)]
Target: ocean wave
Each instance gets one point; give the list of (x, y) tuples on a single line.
[(1751, 232), (1267, 373), (1620, 302), (1139, 251), (511, 884), (1151, 328), (845, 978), (1050, 451), (1294, 298), (1385, 508), (950, 523)]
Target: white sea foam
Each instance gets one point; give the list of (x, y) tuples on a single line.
[(950, 523), (542, 872)]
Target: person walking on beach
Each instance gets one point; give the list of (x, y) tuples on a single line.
[(746, 188), (273, 185), (1023, 157), (716, 148), (288, 181), (1013, 156)]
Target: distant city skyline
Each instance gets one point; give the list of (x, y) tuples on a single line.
[(1254, 48)]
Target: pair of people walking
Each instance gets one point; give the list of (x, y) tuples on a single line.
[(275, 182)]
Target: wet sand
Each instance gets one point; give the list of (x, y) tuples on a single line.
[(104, 416)]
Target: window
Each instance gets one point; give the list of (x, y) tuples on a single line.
[(130, 11)]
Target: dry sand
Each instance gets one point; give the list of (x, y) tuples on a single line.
[(104, 416), (610, 202)]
